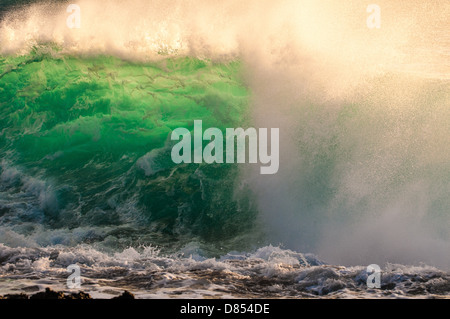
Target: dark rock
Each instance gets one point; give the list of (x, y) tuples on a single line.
[(48, 294), (80, 295), (15, 296), (51, 294), (126, 295)]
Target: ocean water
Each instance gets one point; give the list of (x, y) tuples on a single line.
[(86, 175)]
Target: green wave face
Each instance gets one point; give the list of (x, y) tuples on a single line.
[(93, 134)]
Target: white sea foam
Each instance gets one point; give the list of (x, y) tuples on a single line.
[(149, 274)]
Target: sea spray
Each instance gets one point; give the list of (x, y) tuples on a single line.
[(86, 174)]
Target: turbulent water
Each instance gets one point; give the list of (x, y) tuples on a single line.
[(86, 175)]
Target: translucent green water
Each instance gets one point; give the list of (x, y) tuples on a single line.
[(94, 134)]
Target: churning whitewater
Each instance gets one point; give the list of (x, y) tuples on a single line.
[(87, 178)]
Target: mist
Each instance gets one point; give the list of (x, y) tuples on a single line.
[(364, 114)]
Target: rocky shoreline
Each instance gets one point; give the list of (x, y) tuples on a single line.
[(51, 294)]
